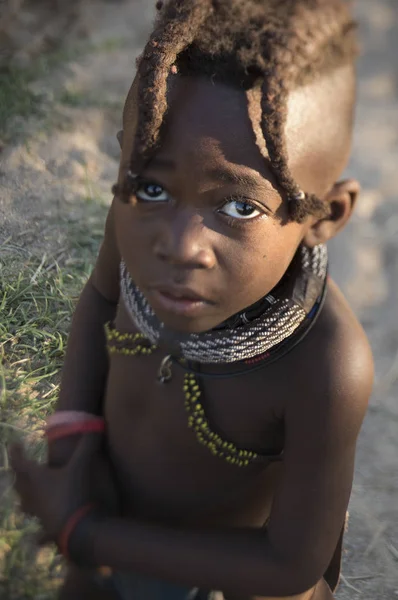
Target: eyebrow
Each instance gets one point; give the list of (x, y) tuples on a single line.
[(161, 162), (245, 177), (242, 176)]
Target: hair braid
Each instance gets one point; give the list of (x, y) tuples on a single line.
[(290, 57), (175, 31), (284, 43)]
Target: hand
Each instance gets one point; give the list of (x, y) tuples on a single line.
[(54, 494), (103, 486)]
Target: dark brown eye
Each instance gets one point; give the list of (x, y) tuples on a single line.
[(151, 192), (240, 209)]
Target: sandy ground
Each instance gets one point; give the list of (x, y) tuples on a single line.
[(44, 183)]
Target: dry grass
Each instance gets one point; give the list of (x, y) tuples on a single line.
[(37, 300), (37, 297)]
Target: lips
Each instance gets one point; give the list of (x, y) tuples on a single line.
[(179, 293), (179, 300)]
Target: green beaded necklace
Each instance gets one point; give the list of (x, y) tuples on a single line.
[(132, 344)]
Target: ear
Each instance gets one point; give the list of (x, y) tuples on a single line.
[(341, 200), (119, 136)]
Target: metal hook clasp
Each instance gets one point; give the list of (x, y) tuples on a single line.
[(165, 373)]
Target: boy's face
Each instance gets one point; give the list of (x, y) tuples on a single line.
[(207, 233)]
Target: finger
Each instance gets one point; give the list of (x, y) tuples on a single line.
[(86, 449), (19, 462), (25, 497), (27, 478), (24, 485), (17, 455), (26, 470)]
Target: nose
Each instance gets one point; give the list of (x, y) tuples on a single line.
[(184, 241)]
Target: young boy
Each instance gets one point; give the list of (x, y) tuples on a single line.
[(233, 377)]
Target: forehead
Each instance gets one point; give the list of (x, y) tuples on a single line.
[(210, 123), (216, 123)]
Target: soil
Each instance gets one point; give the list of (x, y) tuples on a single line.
[(51, 168)]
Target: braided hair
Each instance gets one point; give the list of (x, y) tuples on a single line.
[(283, 44)]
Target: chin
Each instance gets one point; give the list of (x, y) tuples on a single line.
[(183, 324)]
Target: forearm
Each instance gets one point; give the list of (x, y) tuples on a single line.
[(239, 561), (85, 366)]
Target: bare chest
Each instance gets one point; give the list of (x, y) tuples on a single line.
[(162, 462)]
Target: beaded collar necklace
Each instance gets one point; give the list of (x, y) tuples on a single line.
[(303, 288), (252, 333)]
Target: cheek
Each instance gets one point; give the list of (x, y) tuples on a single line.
[(258, 262), (133, 238)]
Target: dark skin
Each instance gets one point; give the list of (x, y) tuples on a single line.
[(188, 516)]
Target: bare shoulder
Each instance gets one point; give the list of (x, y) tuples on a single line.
[(335, 363), (347, 351), (327, 383)]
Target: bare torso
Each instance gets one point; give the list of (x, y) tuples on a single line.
[(163, 472)]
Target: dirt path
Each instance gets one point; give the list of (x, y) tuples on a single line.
[(60, 172), (364, 263)]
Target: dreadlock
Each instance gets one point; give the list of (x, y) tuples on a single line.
[(283, 44)]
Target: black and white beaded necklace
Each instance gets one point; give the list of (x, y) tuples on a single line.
[(255, 332)]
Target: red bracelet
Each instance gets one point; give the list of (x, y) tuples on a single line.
[(71, 524), (61, 431)]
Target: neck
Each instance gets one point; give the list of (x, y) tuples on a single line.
[(255, 310), (252, 332)]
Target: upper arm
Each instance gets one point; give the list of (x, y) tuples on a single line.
[(106, 273), (322, 423)]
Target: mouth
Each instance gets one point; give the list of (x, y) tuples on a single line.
[(181, 301)]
